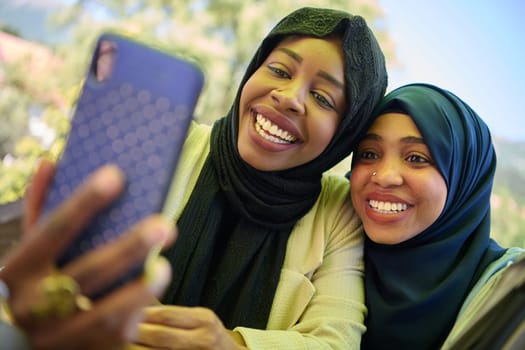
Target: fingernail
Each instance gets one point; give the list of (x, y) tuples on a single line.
[(45, 155), (108, 179), (157, 274), (161, 230), (44, 158)]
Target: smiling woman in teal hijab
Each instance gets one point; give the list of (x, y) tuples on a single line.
[(417, 282)]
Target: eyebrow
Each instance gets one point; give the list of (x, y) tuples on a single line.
[(406, 139), (291, 53), (413, 139), (331, 79), (296, 57)]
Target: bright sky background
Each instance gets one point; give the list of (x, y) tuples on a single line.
[(474, 48)]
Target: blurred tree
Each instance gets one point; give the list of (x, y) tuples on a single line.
[(508, 218), (14, 107), (221, 35), (9, 29)]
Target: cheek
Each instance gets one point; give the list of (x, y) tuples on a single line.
[(321, 131), (252, 86), (436, 196), (253, 89), (357, 182), (243, 98), (247, 95), (357, 175)]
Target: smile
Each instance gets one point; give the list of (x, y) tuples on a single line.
[(387, 207), (272, 132)]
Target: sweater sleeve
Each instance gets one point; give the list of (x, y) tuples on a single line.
[(483, 295), (319, 302)]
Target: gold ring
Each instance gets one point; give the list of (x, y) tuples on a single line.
[(61, 297)]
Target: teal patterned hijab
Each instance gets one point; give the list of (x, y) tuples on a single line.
[(415, 289)]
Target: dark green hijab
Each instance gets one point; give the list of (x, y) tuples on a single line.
[(234, 230), (415, 289)]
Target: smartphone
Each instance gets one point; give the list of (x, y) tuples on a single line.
[(134, 110)]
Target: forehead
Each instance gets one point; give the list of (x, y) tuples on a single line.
[(395, 124), (312, 44), (323, 55)]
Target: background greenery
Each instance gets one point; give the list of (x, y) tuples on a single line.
[(221, 35)]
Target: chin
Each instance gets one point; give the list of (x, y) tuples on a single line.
[(380, 237)]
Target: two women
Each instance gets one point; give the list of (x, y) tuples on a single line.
[(269, 251)]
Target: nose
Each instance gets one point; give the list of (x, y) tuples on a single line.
[(387, 174), (290, 97)]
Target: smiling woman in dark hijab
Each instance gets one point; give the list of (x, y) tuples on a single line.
[(267, 244), (421, 182)]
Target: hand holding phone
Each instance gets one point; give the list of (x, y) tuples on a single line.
[(134, 111)]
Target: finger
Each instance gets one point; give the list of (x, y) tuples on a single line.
[(96, 269), (158, 336), (60, 227), (112, 320), (159, 276), (180, 316), (164, 337), (35, 194), (133, 297), (161, 272)]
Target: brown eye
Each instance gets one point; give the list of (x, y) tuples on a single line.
[(279, 72), (322, 100), (416, 158), (367, 155)]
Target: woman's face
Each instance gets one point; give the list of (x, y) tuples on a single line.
[(292, 104), (395, 187)]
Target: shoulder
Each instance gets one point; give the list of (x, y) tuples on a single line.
[(510, 256), (335, 180), (491, 276), (492, 285), (334, 202), (334, 187), (198, 131), (197, 143), (331, 225)]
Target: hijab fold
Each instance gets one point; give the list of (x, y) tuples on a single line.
[(415, 289), (234, 230)]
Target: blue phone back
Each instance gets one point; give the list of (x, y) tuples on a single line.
[(138, 119)]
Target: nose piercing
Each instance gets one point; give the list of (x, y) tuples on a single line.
[(374, 173)]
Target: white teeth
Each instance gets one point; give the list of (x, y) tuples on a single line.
[(387, 207), (272, 132)]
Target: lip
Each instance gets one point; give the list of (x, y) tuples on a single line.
[(386, 217), (278, 119), (387, 197)]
